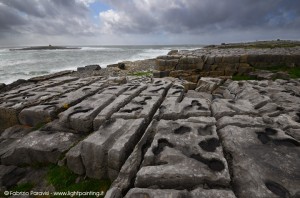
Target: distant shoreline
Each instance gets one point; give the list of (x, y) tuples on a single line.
[(50, 47)]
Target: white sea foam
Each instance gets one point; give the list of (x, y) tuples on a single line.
[(26, 64), (101, 49)]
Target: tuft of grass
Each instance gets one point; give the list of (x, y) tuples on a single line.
[(242, 77), (294, 72), (64, 180), (25, 187), (139, 74), (267, 45), (39, 126)]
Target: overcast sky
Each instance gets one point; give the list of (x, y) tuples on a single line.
[(105, 22)]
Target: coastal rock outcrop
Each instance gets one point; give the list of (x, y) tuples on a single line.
[(216, 62), (89, 68), (153, 137)]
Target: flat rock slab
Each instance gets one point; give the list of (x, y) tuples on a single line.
[(9, 109), (105, 151), (127, 89), (80, 117), (288, 101), (36, 86), (153, 193), (197, 193), (265, 161), (176, 90), (112, 108), (69, 86), (208, 85), (8, 139), (143, 106), (173, 109), (158, 87), (183, 155), (227, 107), (47, 111), (241, 121), (39, 147)]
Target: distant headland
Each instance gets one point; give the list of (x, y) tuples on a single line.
[(49, 47)]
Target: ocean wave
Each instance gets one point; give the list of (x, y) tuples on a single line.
[(4, 50), (33, 73), (18, 74), (101, 49), (149, 53)]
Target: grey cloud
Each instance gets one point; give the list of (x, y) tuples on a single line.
[(195, 16), (48, 17), (8, 19)]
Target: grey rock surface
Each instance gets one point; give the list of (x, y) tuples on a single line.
[(10, 175), (151, 193), (80, 117), (265, 161), (39, 147), (104, 151), (183, 155), (173, 108), (154, 137)]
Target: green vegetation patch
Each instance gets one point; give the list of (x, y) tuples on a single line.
[(294, 72), (142, 73), (266, 45), (39, 126), (64, 180), (25, 187)]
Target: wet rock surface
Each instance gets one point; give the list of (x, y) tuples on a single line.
[(154, 138)]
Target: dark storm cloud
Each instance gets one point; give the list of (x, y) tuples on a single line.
[(195, 16), (153, 20), (49, 17)]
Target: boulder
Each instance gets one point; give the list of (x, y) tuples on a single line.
[(2, 85), (121, 66), (173, 52), (112, 65), (89, 68)]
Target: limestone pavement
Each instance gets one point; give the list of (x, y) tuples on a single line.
[(153, 138)]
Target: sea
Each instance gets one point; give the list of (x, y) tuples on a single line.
[(25, 64)]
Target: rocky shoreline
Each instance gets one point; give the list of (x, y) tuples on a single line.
[(157, 137)]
